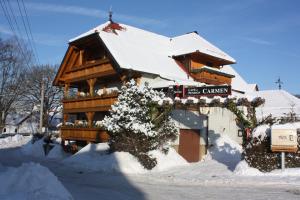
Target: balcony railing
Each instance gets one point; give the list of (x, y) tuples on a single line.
[(89, 104), (84, 134)]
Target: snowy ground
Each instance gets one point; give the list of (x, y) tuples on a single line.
[(218, 177)]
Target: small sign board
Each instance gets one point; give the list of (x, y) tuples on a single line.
[(284, 140)]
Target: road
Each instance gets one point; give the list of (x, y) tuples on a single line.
[(113, 186)]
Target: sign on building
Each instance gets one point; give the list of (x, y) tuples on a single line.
[(187, 91), (284, 140), (223, 90)]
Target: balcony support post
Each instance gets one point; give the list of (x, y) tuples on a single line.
[(65, 119), (91, 83), (90, 118), (66, 89)]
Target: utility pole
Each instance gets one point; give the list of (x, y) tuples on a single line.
[(42, 106)]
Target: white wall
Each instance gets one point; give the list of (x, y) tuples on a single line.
[(221, 121)]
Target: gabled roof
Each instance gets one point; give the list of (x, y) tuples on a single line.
[(277, 102), (192, 42), (144, 51)]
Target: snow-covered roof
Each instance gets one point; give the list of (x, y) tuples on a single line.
[(277, 102), (238, 83), (144, 51), (215, 70), (167, 83), (192, 42)]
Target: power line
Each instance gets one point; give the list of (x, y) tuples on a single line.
[(30, 32), (18, 29), (26, 31), (12, 28)]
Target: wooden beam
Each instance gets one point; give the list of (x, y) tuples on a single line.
[(66, 89), (65, 118), (90, 109), (91, 83), (90, 118), (81, 53)]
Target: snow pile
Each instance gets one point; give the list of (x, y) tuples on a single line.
[(225, 151), (295, 125), (262, 132), (31, 182), (36, 149), (14, 141), (95, 157), (243, 169), (57, 152)]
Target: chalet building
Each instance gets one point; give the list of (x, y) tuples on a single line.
[(99, 61)]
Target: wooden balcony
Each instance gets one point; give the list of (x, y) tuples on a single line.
[(211, 78), (89, 104), (84, 134)]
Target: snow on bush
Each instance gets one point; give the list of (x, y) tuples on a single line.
[(14, 141), (96, 157), (31, 182), (261, 132), (140, 122)]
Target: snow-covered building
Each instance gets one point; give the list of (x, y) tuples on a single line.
[(99, 61), (20, 123)]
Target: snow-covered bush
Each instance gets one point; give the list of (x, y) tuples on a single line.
[(140, 122)]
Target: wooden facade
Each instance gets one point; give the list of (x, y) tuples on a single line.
[(198, 66), (86, 69)]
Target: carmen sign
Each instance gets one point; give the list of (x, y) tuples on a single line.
[(181, 91), (213, 90)]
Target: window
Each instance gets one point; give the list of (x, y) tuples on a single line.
[(16, 130), (4, 130)]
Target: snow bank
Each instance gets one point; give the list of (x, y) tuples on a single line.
[(57, 152), (225, 151), (95, 157), (31, 182), (295, 125), (36, 149), (14, 141), (243, 169)]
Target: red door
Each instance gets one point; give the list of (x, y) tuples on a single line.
[(189, 144)]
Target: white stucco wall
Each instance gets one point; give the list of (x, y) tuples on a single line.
[(221, 121), (150, 79)]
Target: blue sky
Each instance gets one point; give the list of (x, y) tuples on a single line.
[(262, 35)]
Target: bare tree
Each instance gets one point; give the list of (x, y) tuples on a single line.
[(13, 65), (36, 76)]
